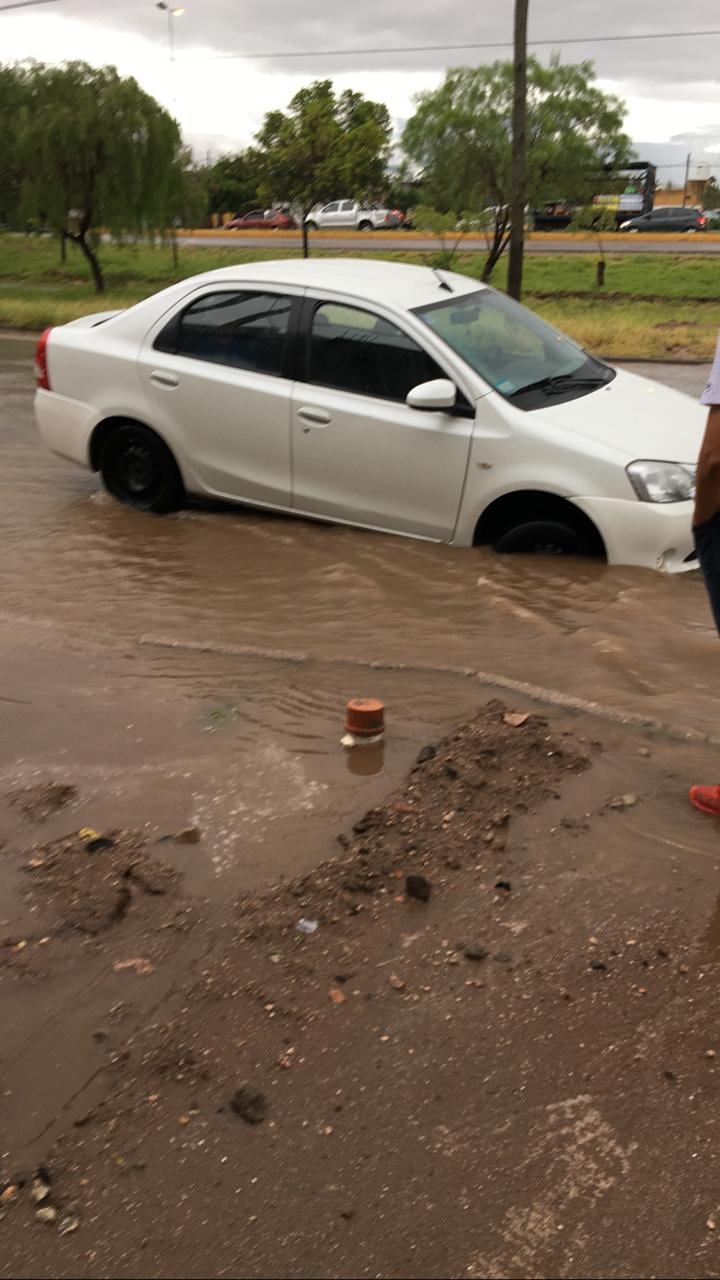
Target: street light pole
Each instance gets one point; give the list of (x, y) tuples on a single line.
[(172, 14), (519, 150)]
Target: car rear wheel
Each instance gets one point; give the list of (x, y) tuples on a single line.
[(311, 226), (138, 469), (365, 225), (545, 537)]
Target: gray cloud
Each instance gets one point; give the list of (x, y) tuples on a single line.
[(224, 26)]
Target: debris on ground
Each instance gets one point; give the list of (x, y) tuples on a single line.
[(418, 887), (39, 802), (186, 835), (250, 1104)]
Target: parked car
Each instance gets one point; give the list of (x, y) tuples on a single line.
[(351, 215), (667, 218), (555, 215), (262, 220), (394, 397), (712, 219)]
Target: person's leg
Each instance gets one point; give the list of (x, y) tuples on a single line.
[(707, 545)]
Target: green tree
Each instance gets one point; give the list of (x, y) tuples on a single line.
[(12, 93), (94, 150), (460, 137), (234, 182), (711, 194), (324, 146)]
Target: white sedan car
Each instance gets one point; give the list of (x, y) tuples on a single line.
[(387, 396)]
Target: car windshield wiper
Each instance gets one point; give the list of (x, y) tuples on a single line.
[(560, 382)]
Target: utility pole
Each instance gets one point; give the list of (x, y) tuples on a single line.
[(687, 177), (519, 150)]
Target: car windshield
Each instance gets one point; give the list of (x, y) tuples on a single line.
[(521, 356)]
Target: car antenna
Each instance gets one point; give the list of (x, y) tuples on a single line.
[(443, 283)]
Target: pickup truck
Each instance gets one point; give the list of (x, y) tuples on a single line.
[(350, 215)]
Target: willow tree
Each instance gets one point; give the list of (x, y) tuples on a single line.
[(95, 151), (460, 137)]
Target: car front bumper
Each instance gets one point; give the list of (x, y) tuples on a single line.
[(653, 535)]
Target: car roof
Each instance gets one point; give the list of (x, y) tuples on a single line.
[(398, 284)]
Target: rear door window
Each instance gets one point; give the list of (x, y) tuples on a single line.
[(241, 329)]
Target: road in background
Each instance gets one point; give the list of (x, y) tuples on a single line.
[(409, 244)]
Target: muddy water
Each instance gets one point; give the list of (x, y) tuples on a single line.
[(76, 562)]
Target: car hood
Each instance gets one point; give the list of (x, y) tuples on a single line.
[(634, 416)]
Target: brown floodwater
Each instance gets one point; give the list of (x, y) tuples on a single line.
[(224, 578)]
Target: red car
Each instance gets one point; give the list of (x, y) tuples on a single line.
[(262, 220)]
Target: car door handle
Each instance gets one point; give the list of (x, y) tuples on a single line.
[(163, 379), (316, 417)]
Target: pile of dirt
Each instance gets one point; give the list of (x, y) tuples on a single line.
[(88, 881), (461, 794), (41, 801)]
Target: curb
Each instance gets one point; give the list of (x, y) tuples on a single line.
[(535, 693)]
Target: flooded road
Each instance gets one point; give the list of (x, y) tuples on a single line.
[(77, 565)]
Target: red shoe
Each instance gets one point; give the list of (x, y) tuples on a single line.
[(706, 799)]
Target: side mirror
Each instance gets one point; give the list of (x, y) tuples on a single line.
[(439, 394)]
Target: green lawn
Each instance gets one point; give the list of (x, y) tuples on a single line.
[(652, 305)]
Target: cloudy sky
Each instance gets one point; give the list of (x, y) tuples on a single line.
[(671, 86)]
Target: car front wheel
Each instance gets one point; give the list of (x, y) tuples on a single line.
[(548, 537), (365, 226), (311, 226), (138, 469)]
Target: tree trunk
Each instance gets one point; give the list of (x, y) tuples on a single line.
[(600, 272), (63, 247), (173, 236), (306, 247), (519, 144), (495, 252), (95, 267)]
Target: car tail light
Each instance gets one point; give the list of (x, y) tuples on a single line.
[(702, 222), (41, 365)]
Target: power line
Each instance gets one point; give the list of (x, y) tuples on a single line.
[(445, 48), (24, 4)]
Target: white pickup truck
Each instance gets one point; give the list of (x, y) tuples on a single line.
[(351, 215)]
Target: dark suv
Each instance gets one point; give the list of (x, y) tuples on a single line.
[(667, 218)]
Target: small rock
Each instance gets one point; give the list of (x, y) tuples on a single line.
[(8, 1194), (140, 965), (39, 1190), (337, 996), (307, 926), (598, 965), (183, 1120), (476, 952), (516, 719), (396, 983), (46, 1214), (402, 806), (98, 843), (711, 1224), (188, 835), (644, 751), (67, 1225), (504, 886), (502, 958), (418, 887), (428, 753), (710, 1053), (623, 802), (249, 1104)]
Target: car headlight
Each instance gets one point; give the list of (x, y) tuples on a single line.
[(662, 481)]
